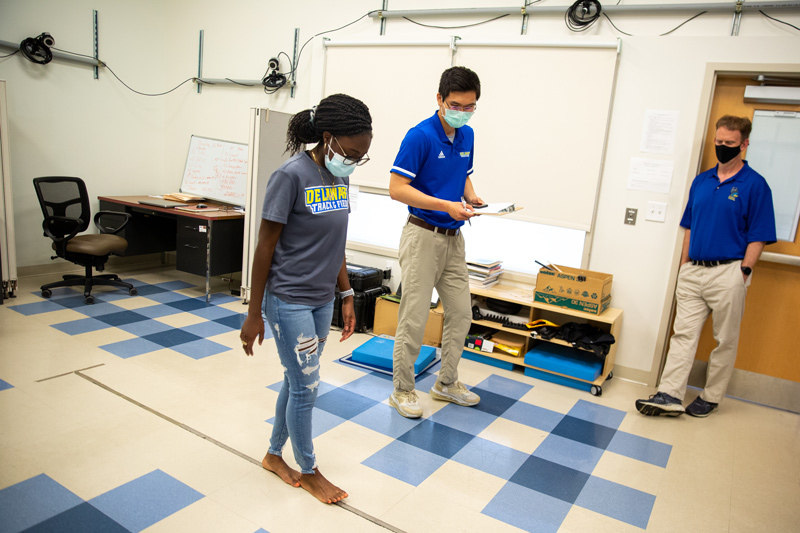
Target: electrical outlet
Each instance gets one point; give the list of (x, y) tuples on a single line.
[(630, 216), (656, 211)]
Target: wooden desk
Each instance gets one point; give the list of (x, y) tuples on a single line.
[(207, 244)]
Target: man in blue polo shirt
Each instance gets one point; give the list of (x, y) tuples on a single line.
[(728, 220), (431, 174)]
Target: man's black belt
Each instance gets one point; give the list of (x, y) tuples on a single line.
[(436, 229), (714, 263)]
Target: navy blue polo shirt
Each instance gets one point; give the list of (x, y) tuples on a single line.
[(436, 166), (725, 217)]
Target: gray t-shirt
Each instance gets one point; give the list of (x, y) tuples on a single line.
[(313, 205)]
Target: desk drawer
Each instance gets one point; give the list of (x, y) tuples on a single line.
[(191, 254), (192, 226)]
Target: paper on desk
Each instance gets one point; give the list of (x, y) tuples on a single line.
[(499, 209)]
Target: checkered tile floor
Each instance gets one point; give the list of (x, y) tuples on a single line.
[(148, 323), (540, 487)]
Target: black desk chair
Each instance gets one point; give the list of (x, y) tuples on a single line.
[(65, 205)]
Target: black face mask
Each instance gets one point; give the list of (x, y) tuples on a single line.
[(726, 153)]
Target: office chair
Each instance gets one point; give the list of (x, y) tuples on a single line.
[(65, 206)]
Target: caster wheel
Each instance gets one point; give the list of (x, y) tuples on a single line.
[(89, 299), (133, 292), (610, 375), (596, 391), (46, 293)]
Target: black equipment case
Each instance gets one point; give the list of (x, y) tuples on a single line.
[(364, 305), (363, 277)]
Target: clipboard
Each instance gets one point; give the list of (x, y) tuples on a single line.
[(497, 209)]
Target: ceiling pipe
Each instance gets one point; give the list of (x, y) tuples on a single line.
[(725, 7)]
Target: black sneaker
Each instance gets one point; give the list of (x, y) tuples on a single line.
[(660, 403), (701, 408)]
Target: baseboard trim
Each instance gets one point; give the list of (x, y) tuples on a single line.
[(752, 387), (631, 374)]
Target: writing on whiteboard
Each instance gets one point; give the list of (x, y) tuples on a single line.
[(216, 170)]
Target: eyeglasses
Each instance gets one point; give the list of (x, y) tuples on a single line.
[(468, 108), (352, 160)]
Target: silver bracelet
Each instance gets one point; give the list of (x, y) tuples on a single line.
[(348, 292)]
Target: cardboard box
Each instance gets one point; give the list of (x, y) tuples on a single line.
[(593, 295), (386, 322)]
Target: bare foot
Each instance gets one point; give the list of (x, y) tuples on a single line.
[(321, 488), (276, 464)]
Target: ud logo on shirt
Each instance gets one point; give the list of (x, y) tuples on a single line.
[(734, 194), (326, 198), (464, 154)]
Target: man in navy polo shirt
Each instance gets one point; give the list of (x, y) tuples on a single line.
[(431, 174), (728, 220)]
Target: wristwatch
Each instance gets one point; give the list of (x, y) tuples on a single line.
[(747, 271), (348, 292)]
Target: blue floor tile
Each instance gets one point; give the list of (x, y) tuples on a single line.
[(617, 501), (149, 290), (200, 348), (599, 414), (436, 438), (375, 386), (207, 329), (82, 325), (81, 519), (466, 419), (569, 453), (166, 297), (188, 304), (174, 285), (171, 337), (145, 327), (533, 416), (404, 462), (640, 448), (131, 347), (5, 385), (492, 403), (158, 310), (323, 421), (527, 509), (233, 321), (585, 432), (142, 502), (36, 308), (99, 308), (121, 317), (385, 420), (507, 387), (344, 403), (33, 501), (215, 313), (490, 457), (550, 478)]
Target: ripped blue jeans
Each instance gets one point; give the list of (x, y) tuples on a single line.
[(300, 333)]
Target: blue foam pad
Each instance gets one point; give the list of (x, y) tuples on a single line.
[(491, 361), (378, 352), (565, 360), (555, 378)]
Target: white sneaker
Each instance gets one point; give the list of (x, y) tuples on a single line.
[(456, 393), (406, 403)]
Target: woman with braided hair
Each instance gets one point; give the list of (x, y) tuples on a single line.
[(298, 262)]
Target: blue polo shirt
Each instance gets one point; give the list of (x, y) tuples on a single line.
[(436, 166), (725, 217)]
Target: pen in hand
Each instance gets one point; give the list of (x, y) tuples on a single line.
[(464, 203)]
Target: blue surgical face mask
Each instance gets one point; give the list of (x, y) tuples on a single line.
[(456, 119), (336, 165)]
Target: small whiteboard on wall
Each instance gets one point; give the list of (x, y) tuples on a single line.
[(216, 170), (774, 153)]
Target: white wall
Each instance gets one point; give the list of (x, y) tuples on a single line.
[(64, 122)]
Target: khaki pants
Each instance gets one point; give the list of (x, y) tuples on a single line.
[(720, 290), (429, 260)]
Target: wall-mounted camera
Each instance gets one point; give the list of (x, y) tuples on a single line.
[(274, 64), (37, 49)]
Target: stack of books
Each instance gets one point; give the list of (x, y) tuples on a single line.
[(484, 273)]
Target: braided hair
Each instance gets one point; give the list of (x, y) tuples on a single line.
[(339, 114)]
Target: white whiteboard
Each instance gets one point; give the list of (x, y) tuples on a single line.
[(774, 153), (540, 128), (216, 170)]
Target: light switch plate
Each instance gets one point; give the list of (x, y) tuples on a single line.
[(630, 216), (656, 211)]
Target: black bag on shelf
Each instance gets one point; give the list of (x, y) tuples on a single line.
[(363, 277)]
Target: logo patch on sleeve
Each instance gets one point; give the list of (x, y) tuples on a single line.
[(326, 198)]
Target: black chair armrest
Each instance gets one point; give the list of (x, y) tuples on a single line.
[(64, 225), (104, 220)]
